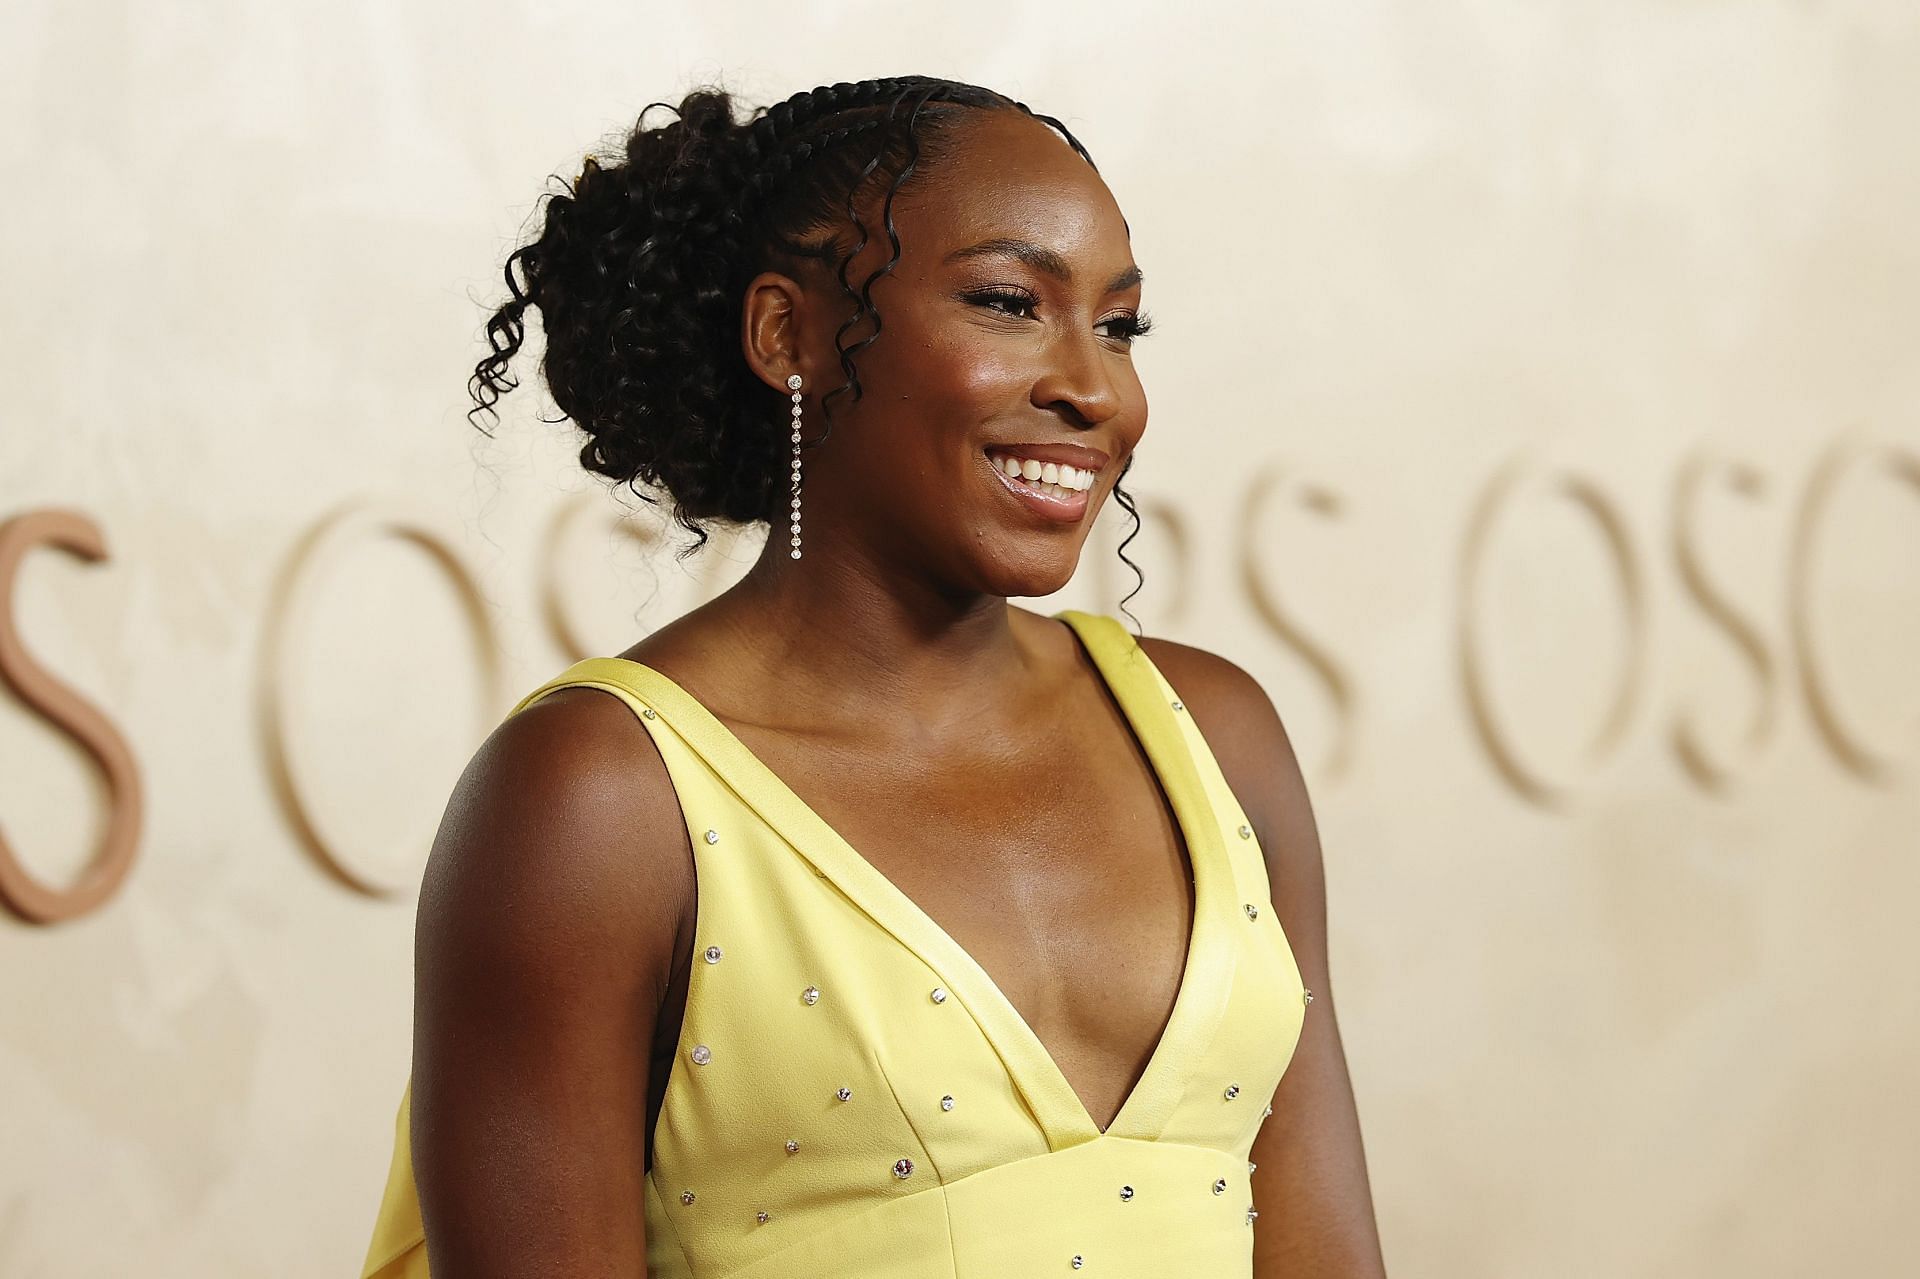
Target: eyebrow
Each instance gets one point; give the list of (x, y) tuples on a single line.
[(1040, 258)]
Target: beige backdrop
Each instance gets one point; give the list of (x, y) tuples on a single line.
[(1534, 413)]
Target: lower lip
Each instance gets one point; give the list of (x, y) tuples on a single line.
[(1062, 510)]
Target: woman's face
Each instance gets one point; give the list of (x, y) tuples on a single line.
[(1005, 338)]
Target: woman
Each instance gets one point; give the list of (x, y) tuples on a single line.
[(845, 925)]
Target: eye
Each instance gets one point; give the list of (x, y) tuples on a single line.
[(1124, 327), (998, 298), (1134, 324)]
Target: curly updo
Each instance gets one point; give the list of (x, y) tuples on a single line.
[(641, 267)]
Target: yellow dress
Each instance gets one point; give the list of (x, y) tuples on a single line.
[(935, 1136)]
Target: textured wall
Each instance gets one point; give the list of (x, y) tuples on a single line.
[(1534, 412)]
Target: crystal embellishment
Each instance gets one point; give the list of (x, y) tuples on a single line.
[(1233, 1090), (1126, 1193), (1251, 1214), (763, 1216), (713, 954), (647, 711), (792, 1145), (686, 1196), (713, 837), (1177, 705), (938, 995), (701, 1054), (1306, 996), (946, 1103), (810, 995), (903, 1168), (1253, 911), (844, 1093), (1078, 1261), (793, 381), (1220, 1186), (1246, 831)]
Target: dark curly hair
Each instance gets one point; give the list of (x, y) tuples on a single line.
[(640, 270)]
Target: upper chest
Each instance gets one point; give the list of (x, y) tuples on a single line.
[(1047, 849)]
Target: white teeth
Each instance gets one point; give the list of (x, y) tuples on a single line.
[(1049, 475)]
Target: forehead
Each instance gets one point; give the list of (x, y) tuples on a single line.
[(1009, 175)]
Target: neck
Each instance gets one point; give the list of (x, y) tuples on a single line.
[(843, 636)]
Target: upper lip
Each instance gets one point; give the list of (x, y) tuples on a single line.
[(1060, 454)]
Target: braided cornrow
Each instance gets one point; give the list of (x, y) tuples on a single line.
[(642, 263)]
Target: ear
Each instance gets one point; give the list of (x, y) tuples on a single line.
[(771, 316)]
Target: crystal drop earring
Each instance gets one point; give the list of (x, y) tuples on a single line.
[(793, 384)]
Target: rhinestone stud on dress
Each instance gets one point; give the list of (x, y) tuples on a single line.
[(1078, 1261), (1220, 1186), (1246, 832), (701, 1054), (648, 712), (1251, 1214), (1126, 1193), (713, 837), (903, 1168), (1177, 706), (792, 1145), (1233, 1090), (938, 995), (844, 1093), (763, 1216), (811, 995), (686, 1196), (1253, 911), (713, 954), (1306, 996), (946, 1103)]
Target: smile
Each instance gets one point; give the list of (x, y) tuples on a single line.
[(1056, 478), (1052, 490)]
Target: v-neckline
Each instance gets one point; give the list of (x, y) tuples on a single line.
[(1206, 977)]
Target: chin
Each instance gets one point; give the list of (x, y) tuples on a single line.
[(1032, 576)]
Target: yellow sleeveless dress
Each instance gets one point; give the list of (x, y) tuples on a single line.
[(853, 1096)]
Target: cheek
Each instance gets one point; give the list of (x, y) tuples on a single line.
[(985, 373), (964, 371)]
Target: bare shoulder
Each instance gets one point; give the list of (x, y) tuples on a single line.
[(1234, 713), (567, 811), (550, 919)]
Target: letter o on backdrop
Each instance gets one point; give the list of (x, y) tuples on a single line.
[(341, 533), (1500, 742)]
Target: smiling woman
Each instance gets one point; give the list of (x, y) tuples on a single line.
[(860, 922)]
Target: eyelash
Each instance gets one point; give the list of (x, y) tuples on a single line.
[(1133, 324)]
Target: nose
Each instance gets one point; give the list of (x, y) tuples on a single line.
[(1078, 379)]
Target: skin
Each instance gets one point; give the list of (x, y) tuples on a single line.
[(884, 673)]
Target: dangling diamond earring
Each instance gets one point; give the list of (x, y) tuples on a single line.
[(793, 384)]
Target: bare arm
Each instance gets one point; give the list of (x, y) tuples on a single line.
[(1317, 1219), (547, 923)]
